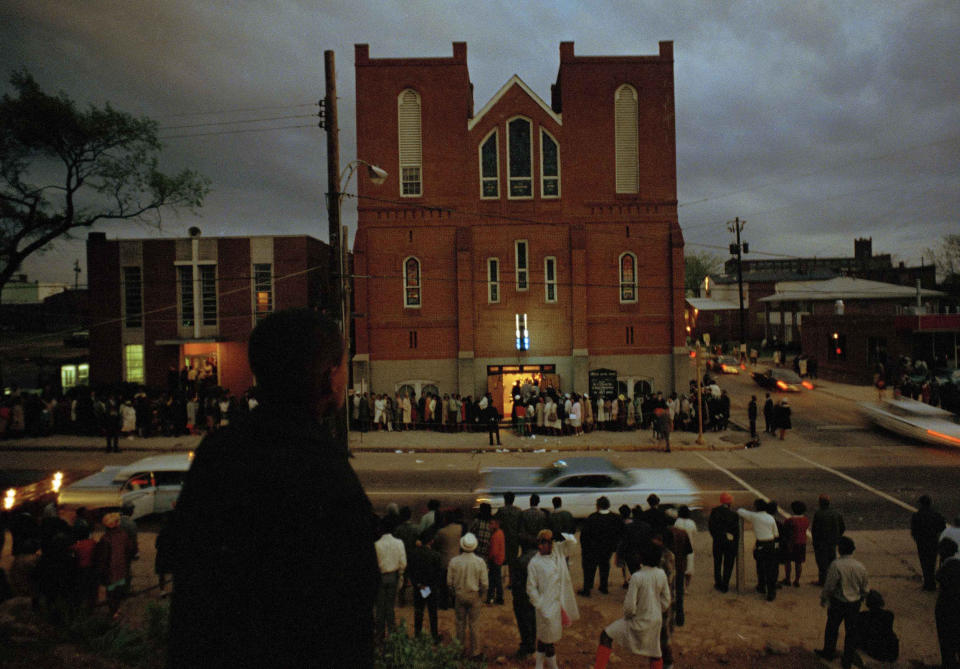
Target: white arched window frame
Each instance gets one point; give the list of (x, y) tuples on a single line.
[(493, 280), (627, 155), (520, 158), (627, 270), (410, 143), (412, 283), (550, 279), (489, 156), (549, 165)]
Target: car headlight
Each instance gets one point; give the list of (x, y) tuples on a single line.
[(9, 499)]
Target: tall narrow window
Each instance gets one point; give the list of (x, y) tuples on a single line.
[(489, 167), (493, 280), (133, 363), (411, 283), (550, 279), (262, 290), (549, 166), (185, 279), (132, 297), (520, 158), (411, 156), (628, 277), (521, 265), (627, 151), (208, 294)]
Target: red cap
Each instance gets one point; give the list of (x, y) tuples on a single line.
[(726, 498)]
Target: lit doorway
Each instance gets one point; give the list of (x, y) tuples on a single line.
[(502, 381)]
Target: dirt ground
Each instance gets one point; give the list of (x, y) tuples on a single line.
[(722, 630)]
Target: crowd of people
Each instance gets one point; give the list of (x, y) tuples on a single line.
[(125, 412)]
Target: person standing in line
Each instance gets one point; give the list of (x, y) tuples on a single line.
[(447, 543), (827, 528), (111, 423), (250, 569), (491, 417), (926, 525), (752, 416), (550, 591), (688, 525), (646, 603), (392, 560), (682, 548), (766, 533), (112, 556), (947, 609), (467, 581), (431, 517), (843, 591), (795, 542), (768, 415)]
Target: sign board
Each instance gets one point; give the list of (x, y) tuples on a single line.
[(603, 383)]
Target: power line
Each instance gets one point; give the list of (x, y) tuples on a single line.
[(251, 120), (235, 132), (237, 111)]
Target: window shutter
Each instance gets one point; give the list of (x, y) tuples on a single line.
[(410, 148), (627, 154)]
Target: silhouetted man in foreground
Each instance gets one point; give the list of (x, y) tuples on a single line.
[(274, 563)]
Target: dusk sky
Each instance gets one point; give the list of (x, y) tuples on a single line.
[(817, 122)]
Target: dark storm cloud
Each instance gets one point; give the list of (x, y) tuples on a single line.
[(817, 122)]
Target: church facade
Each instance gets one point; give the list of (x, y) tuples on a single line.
[(524, 240)]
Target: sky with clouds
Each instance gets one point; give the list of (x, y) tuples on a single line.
[(816, 122)]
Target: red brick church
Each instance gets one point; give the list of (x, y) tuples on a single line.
[(525, 239)]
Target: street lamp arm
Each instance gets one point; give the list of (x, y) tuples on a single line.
[(377, 175)]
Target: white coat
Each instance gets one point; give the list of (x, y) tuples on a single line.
[(648, 597), (550, 589)]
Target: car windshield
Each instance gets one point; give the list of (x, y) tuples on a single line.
[(785, 375), (548, 474)]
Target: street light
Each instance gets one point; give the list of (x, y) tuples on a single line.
[(376, 174)]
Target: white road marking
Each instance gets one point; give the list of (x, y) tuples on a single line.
[(736, 478), (854, 481)]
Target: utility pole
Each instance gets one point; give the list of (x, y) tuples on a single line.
[(76, 274), (328, 121), (738, 249)]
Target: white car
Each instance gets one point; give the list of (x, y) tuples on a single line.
[(151, 485), (916, 420), (580, 481)]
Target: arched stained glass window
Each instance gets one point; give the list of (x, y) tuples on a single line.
[(628, 277), (411, 283)]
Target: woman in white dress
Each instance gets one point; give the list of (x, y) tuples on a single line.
[(648, 597), (550, 590)]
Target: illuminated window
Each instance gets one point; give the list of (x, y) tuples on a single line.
[(489, 167), (83, 374), (493, 280), (262, 290), (550, 279), (132, 297), (68, 376), (520, 158), (628, 277), (521, 265), (133, 363), (411, 283), (411, 150), (549, 166), (627, 155)]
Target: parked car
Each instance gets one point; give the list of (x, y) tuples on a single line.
[(580, 481), (782, 379), (151, 485), (725, 364)]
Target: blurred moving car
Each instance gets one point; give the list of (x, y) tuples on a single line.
[(580, 481), (725, 364), (916, 420), (151, 485), (781, 379)]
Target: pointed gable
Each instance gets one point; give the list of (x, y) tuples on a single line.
[(518, 82)]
